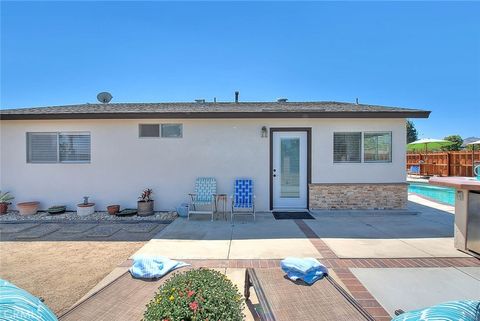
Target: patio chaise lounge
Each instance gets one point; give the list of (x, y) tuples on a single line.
[(281, 299), (123, 299)]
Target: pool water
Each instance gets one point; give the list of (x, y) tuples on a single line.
[(441, 194)]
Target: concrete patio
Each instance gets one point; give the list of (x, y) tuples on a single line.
[(421, 231), (424, 286)]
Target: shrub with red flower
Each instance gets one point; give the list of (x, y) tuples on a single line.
[(195, 295), (193, 306)]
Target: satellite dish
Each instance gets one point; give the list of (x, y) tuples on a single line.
[(104, 97)]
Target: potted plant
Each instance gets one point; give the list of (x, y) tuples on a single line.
[(113, 209), (85, 208), (56, 209), (28, 208), (4, 201), (127, 212), (145, 203)]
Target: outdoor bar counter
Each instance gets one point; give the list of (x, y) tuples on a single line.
[(467, 211)]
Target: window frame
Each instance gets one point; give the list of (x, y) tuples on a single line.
[(74, 161), (160, 131), (28, 148), (391, 147), (176, 124), (360, 160), (150, 137), (57, 135)]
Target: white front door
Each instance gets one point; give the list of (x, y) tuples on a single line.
[(289, 160)]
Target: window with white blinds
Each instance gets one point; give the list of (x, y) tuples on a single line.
[(74, 147), (42, 148), (377, 147), (71, 147), (347, 147)]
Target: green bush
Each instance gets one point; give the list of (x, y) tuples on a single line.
[(196, 295)]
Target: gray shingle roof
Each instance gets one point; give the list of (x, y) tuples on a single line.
[(213, 110)]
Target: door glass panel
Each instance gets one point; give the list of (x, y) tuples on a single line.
[(290, 167)]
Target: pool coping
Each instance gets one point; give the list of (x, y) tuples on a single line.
[(431, 199)]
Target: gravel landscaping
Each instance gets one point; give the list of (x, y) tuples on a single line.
[(13, 216)]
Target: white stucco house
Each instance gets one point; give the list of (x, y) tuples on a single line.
[(301, 155)]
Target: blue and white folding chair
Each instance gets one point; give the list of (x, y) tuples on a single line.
[(414, 170), (203, 200), (243, 199)]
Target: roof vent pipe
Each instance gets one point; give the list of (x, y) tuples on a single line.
[(200, 101), (282, 100), (236, 96)]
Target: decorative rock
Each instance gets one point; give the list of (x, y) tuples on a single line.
[(14, 216)]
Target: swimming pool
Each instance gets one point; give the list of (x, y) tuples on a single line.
[(440, 194)]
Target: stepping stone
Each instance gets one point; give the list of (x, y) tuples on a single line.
[(140, 227), (103, 231), (77, 228), (16, 227), (38, 231)]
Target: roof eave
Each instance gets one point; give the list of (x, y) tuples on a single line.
[(210, 115)]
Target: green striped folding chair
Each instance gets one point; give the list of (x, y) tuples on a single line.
[(203, 200)]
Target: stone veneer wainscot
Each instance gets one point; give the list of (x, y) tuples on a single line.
[(358, 196)]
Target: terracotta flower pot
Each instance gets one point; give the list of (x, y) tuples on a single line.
[(113, 209), (4, 208), (28, 208), (145, 208)]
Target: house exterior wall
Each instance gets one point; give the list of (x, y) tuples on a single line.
[(122, 164), (371, 196)]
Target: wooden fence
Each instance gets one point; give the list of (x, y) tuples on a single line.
[(444, 163)]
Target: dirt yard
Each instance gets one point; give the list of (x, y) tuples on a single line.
[(61, 272)]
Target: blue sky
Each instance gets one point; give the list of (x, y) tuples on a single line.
[(409, 54)]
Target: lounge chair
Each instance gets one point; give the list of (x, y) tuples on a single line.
[(465, 310), (18, 304), (414, 170), (243, 199), (203, 201), (123, 299), (281, 299)]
